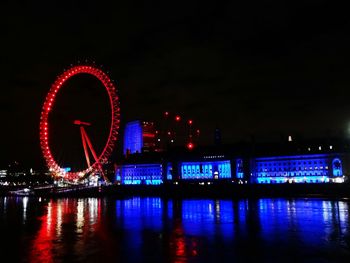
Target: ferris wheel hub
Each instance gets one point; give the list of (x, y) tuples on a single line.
[(81, 123)]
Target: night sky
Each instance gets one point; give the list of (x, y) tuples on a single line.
[(261, 68)]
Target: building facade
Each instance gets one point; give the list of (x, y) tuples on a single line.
[(307, 168), (139, 136), (145, 174)]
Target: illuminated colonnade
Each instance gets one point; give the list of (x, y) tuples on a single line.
[(206, 170), (313, 168)]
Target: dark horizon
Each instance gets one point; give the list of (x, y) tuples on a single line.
[(249, 68)]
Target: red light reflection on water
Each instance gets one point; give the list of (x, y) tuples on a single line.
[(64, 219), (183, 250), (43, 243)]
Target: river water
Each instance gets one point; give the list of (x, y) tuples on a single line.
[(165, 230)]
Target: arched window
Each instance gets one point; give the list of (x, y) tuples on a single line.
[(337, 167)]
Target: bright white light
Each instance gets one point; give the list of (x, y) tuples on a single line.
[(339, 180), (25, 204), (80, 216)]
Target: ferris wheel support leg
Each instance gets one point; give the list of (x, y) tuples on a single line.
[(84, 145), (94, 155)]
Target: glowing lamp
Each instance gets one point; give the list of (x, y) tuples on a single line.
[(190, 122), (190, 146), (177, 118)]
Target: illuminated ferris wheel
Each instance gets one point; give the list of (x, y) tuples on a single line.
[(95, 165)]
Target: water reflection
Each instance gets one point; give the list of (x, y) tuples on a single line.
[(159, 230), (65, 227)]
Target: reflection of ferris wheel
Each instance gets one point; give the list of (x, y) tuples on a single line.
[(96, 165)]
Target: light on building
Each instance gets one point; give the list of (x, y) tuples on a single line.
[(290, 138), (330, 147), (319, 148), (190, 146)]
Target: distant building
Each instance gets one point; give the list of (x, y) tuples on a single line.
[(312, 161), (148, 136), (147, 174), (139, 136), (3, 173), (307, 168)]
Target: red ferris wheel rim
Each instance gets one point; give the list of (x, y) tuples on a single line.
[(53, 166)]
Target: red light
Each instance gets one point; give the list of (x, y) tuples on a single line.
[(190, 122), (169, 133), (49, 102), (190, 145), (177, 118), (149, 135), (166, 113)]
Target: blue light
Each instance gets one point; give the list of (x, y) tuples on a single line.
[(316, 168), (117, 175), (337, 167), (239, 168), (134, 216), (307, 225), (133, 139), (206, 170), (169, 170), (148, 174)]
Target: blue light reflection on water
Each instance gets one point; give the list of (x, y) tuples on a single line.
[(227, 228), (159, 230)]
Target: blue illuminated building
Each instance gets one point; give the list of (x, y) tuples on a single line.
[(220, 169), (147, 174), (265, 163), (307, 168), (139, 137), (133, 137)]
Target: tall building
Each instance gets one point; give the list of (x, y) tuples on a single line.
[(148, 136), (139, 136)]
